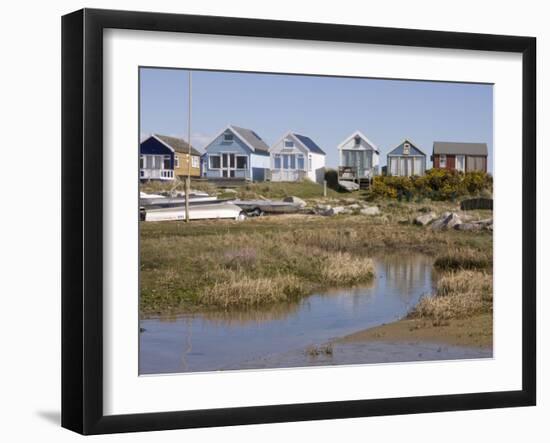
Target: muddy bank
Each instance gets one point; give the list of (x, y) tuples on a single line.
[(370, 352), (470, 332), (401, 341)]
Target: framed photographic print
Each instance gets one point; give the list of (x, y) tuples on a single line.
[(269, 221)]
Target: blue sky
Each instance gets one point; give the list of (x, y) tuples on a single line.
[(327, 109)]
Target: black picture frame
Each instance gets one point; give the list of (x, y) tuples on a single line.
[(82, 218)]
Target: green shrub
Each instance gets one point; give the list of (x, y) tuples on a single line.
[(379, 189), (478, 182), (436, 184)]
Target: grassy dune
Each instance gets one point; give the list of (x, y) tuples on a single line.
[(305, 189)]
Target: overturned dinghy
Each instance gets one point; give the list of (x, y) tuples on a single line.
[(205, 211), (349, 185), (258, 207)]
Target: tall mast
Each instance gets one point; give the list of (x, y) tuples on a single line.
[(188, 181)]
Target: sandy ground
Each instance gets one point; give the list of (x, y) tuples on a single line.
[(472, 332)]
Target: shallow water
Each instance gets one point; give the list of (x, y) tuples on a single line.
[(277, 336)]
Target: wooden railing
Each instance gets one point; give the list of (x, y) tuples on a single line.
[(156, 174), (286, 175), (351, 173), (347, 172)]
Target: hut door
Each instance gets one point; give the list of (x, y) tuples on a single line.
[(409, 162), (228, 165), (288, 171), (417, 167), (405, 166), (460, 163), (394, 165)]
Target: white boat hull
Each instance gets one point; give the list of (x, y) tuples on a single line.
[(200, 212), (174, 201)]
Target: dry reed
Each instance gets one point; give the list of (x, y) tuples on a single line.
[(459, 295)]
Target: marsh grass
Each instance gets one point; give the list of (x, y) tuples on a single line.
[(185, 267), (343, 268), (459, 295), (244, 291), (464, 258)]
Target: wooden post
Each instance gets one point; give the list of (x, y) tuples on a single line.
[(324, 188), (187, 187)]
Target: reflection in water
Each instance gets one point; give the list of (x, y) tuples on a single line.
[(403, 276), (234, 339), (236, 317)]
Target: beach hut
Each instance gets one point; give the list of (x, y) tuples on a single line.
[(359, 158), (463, 157), (405, 160), (156, 159), (236, 154), (295, 157)]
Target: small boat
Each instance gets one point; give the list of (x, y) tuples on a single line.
[(205, 211), (349, 185), (257, 207), (144, 195), (170, 202)]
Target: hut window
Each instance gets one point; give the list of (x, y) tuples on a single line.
[(406, 149), (277, 161), (228, 137), (285, 161), (289, 144), (166, 163), (215, 162), (346, 158), (442, 161), (176, 161), (194, 161), (309, 163), (141, 162), (292, 162), (368, 164), (357, 141), (301, 162), (241, 161)]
